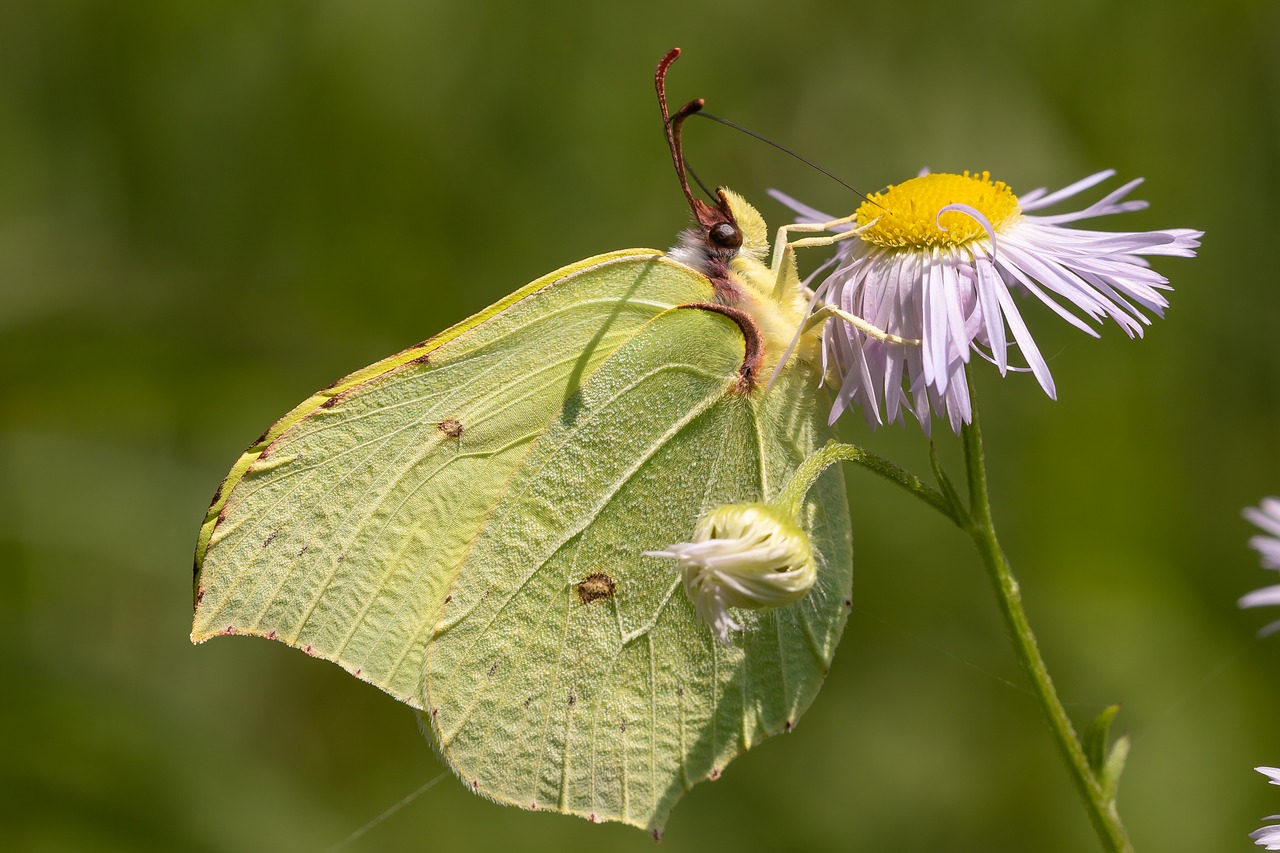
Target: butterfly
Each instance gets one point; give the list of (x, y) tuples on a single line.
[(464, 524)]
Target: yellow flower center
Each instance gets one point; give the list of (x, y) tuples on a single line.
[(906, 214)]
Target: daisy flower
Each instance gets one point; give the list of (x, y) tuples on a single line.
[(1267, 517), (742, 555), (1268, 837), (939, 258)]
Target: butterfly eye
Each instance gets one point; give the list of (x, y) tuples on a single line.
[(725, 236)]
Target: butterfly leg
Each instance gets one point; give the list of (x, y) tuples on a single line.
[(783, 265), (829, 312), (783, 245), (786, 279)]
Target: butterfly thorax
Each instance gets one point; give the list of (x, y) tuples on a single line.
[(743, 279)]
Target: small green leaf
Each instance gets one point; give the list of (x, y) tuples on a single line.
[(1110, 779), (958, 512), (1095, 740)]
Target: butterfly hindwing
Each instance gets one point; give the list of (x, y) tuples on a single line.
[(611, 706)]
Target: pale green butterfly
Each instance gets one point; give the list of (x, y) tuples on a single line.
[(463, 524)]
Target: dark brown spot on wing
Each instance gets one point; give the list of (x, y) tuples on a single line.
[(595, 586)]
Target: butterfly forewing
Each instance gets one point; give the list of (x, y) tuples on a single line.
[(341, 536)]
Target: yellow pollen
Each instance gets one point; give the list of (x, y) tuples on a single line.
[(906, 214)]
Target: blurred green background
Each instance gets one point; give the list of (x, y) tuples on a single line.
[(209, 210)]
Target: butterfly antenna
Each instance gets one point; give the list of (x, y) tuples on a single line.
[(699, 182), (767, 141), (673, 125), (708, 216)]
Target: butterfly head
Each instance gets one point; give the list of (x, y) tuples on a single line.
[(726, 236), (729, 244)]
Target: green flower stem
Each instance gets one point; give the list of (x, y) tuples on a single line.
[(1101, 807), (976, 521), (794, 491)]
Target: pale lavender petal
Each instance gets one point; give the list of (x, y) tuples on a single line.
[(1268, 837), (1268, 549), (805, 212), (1064, 286), (1027, 200), (1021, 334), (1068, 191), (989, 306), (1111, 204), (1184, 244), (957, 337), (1261, 597), (1266, 515), (935, 327), (975, 214)]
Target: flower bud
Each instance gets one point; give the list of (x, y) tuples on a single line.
[(743, 555)]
